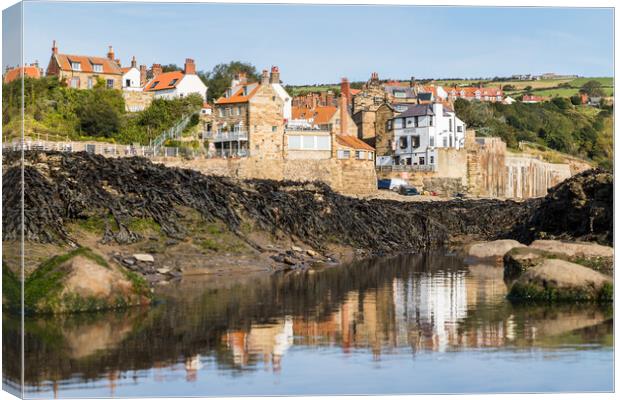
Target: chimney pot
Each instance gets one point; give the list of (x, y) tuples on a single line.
[(274, 76), (264, 77), (133, 62), (111, 53), (156, 69), (54, 48)]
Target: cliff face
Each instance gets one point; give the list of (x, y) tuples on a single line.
[(63, 188)]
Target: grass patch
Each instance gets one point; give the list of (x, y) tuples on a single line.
[(144, 225), (520, 292)]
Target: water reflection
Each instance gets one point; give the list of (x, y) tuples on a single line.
[(418, 304)]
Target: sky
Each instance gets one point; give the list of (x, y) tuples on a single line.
[(323, 43)]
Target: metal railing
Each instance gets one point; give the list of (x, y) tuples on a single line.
[(222, 136), (173, 132), (406, 168)]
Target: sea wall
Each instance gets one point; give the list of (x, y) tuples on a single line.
[(349, 176)]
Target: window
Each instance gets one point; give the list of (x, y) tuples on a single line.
[(445, 142), (274, 129), (172, 82), (450, 140), (432, 160), (273, 98), (398, 123), (127, 82), (237, 110), (228, 111), (110, 83), (309, 142), (417, 121), (450, 123), (220, 112), (431, 141), (344, 154), (154, 84), (359, 154), (459, 128), (90, 82), (97, 68), (76, 66), (370, 155), (75, 82), (402, 142), (415, 142), (430, 122), (400, 94), (377, 100), (401, 108), (422, 160), (389, 125)]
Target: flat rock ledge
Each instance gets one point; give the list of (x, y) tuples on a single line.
[(492, 250), (559, 280)]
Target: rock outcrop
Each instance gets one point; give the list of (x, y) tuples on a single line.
[(560, 280), (77, 281), (493, 249)]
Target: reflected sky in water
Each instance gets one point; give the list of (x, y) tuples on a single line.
[(410, 324)]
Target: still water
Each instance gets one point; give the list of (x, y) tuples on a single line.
[(411, 324)]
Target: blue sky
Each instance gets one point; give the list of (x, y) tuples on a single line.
[(315, 44)]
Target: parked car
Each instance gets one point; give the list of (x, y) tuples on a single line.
[(391, 184), (408, 190)]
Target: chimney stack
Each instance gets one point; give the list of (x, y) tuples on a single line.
[(190, 67), (142, 74), (133, 62), (54, 48), (345, 91), (156, 70), (110, 53), (264, 79), (344, 113), (274, 77)]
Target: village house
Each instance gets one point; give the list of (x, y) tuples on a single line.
[(173, 84), (249, 118), (532, 99), (83, 72), (29, 71), (131, 79), (490, 94), (418, 131)]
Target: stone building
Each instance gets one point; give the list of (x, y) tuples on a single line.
[(249, 119), (83, 72)]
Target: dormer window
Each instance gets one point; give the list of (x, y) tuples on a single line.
[(245, 90), (76, 66), (97, 68), (172, 82), (154, 84), (228, 93)]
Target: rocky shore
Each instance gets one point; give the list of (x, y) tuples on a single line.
[(163, 223)]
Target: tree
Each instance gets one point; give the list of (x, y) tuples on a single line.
[(170, 68), (509, 88), (98, 119), (219, 79), (575, 100), (592, 89), (528, 89)]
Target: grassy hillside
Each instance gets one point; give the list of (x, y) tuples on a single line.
[(577, 130), (53, 109)]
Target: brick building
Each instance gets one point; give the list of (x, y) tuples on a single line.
[(83, 72)]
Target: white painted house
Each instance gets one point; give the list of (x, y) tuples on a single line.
[(173, 84), (419, 130), (131, 77)]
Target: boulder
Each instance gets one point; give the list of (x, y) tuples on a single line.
[(82, 280), (297, 249), (494, 249), (144, 258), (520, 259), (592, 255), (560, 280)]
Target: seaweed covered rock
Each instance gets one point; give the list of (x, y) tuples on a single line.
[(520, 259), (580, 208), (560, 280), (76, 281)]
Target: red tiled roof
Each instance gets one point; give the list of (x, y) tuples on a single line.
[(167, 80), (237, 96), (354, 91), (87, 62), (16, 73), (320, 114), (353, 142), (206, 105), (471, 91)]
